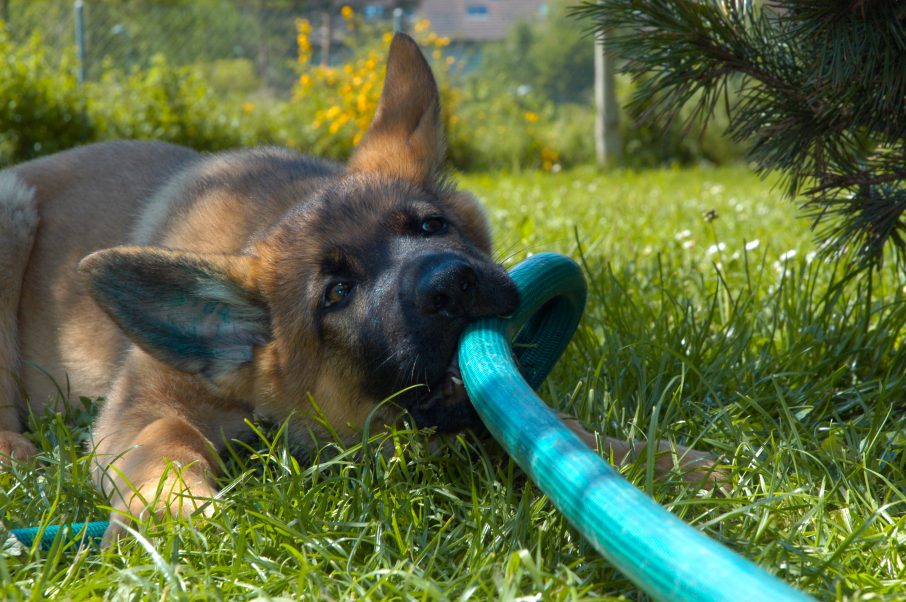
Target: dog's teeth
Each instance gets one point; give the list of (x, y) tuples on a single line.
[(456, 381)]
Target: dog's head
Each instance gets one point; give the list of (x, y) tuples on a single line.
[(355, 294)]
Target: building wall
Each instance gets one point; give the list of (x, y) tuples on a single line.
[(478, 20)]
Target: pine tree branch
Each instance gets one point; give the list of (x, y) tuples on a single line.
[(821, 96), (862, 179)]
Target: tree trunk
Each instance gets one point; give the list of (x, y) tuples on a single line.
[(326, 35), (263, 58), (608, 146)]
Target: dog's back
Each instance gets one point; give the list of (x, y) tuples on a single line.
[(82, 200)]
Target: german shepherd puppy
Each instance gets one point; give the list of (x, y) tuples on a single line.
[(211, 290)]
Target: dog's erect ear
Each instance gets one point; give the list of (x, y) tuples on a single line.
[(405, 139), (198, 313)]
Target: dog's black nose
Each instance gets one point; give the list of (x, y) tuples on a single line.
[(447, 288)]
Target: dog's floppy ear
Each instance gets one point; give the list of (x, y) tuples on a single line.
[(405, 139), (198, 313)]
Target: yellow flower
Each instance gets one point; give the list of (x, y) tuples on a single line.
[(347, 12), (333, 112), (335, 125), (422, 25), (388, 37), (548, 158), (248, 107), (303, 29), (531, 117)]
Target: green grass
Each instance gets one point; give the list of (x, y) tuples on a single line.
[(757, 354)]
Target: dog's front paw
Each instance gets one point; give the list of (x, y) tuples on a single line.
[(15, 446), (697, 468), (167, 498)]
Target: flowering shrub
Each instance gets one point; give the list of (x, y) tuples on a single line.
[(491, 122), (485, 128), (338, 103)]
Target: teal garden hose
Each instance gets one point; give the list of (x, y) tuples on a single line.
[(662, 555), (666, 558), (49, 534)]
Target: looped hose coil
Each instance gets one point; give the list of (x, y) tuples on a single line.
[(661, 554)]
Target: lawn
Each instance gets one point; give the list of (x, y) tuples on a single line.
[(710, 322)]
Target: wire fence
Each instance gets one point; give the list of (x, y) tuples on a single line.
[(254, 39)]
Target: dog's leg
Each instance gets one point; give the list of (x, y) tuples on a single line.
[(18, 224), (154, 450), (164, 468)]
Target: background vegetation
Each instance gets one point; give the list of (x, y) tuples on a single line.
[(149, 77)]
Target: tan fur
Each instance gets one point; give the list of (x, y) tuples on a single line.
[(18, 224), (87, 198), (401, 140), (223, 242)]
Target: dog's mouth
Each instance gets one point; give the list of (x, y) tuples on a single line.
[(450, 388), (451, 292), (445, 405)]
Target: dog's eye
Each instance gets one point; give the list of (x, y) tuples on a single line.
[(337, 293), (433, 225)]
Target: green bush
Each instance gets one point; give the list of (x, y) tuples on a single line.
[(160, 103), (41, 107), (552, 56), (550, 61), (491, 130), (568, 134), (44, 110), (494, 127), (231, 77), (648, 142)]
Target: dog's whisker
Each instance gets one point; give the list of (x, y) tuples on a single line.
[(390, 357), (414, 367)]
